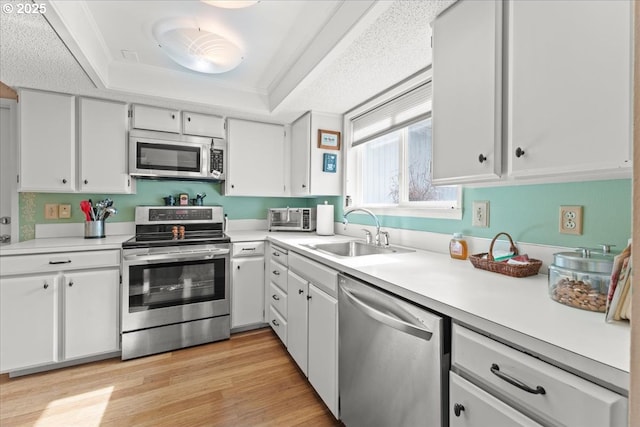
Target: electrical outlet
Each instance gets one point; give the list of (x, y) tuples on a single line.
[(480, 214), (64, 211), (570, 221), (50, 211)]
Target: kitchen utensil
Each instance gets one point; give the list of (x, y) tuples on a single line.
[(110, 211), (169, 201), (85, 207)]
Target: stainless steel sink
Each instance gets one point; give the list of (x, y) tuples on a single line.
[(354, 248)]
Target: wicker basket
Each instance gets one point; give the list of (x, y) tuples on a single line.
[(513, 270)]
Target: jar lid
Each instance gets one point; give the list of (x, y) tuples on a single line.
[(457, 235), (585, 260)]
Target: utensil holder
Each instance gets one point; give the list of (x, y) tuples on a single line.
[(94, 229)]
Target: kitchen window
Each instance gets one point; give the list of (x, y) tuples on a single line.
[(389, 156)]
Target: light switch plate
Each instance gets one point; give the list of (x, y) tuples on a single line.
[(570, 221), (480, 214), (64, 211), (50, 211)]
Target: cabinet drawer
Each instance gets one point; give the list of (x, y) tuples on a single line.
[(63, 261), (280, 255), (278, 299), (247, 249), (278, 324), (278, 275), (470, 406), (323, 277), (556, 396)]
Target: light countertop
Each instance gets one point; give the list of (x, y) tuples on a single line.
[(63, 244), (517, 310)]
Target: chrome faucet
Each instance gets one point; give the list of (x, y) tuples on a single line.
[(345, 221)]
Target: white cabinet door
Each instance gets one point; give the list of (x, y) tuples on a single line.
[(202, 125), (323, 346), (467, 91), (470, 406), (256, 159), (297, 292), (247, 291), (102, 145), (28, 321), (91, 307), (47, 135), (570, 86), (154, 118), (300, 155), (308, 176)]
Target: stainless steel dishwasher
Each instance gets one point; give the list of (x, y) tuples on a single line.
[(393, 359)]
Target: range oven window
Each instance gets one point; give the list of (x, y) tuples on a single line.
[(153, 286), (168, 157)]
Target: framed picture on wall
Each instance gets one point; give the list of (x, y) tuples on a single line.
[(328, 139)]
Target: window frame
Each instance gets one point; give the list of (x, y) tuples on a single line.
[(353, 167)]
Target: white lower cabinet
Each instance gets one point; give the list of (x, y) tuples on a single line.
[(90, 320), (470, 406), (28, 321), (297, 315), (323, 346), (59, 315), (312, 325), (247, 284), (543, 392), (276, 298)]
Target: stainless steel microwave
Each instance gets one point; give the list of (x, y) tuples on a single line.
[(163, 155), (292, 219)]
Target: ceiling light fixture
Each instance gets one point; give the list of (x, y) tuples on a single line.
[(196, 48), (230, 4)]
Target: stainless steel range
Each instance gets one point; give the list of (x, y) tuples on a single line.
[(175, 281)]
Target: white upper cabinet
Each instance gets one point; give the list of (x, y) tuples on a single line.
[(47, 135), (102, 147), (569, 86), (202, 125), (467, 91), (51, 160), (308, 174), (154, 118), (256, 159)]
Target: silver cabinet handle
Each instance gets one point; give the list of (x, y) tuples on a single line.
[(70, 283), (276, 272), (276, 254), (275, 297), (46, 285), (388, 317), (275, 323), (60, 262)]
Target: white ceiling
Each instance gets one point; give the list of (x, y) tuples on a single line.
[(321, 55)]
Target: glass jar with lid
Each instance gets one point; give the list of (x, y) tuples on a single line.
[(581, 279)]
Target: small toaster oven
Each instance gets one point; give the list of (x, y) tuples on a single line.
[(292, 219)]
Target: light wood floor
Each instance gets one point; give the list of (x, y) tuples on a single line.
[(248, 380)]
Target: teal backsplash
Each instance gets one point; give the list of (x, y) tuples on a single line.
[(528, 212)]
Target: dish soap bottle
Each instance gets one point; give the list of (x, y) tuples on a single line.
[(458, 247)]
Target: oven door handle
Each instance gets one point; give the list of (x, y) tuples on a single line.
[(197, 256)]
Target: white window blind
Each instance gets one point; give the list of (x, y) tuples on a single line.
[(396, 113)]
